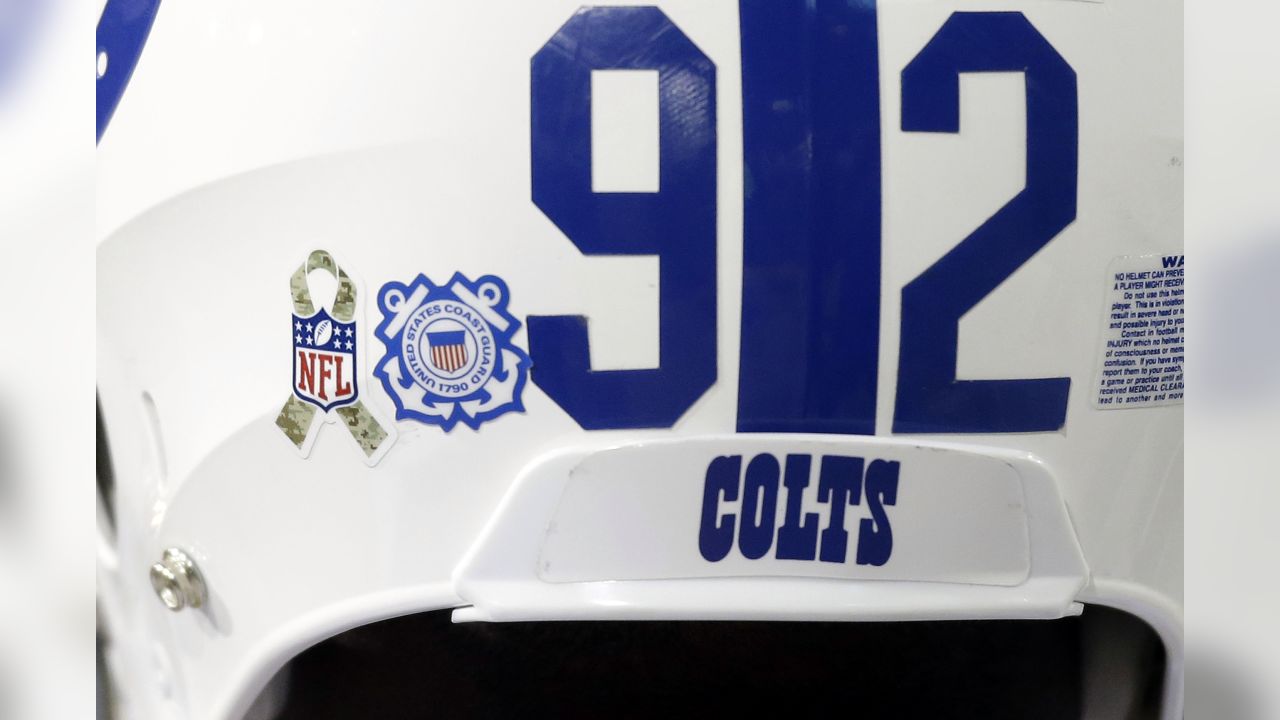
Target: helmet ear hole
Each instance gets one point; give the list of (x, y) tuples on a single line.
[(106, 479)]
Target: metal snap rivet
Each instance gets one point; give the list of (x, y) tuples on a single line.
[(177, 581)]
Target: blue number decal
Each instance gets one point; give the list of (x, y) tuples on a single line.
[(677, 223), (811, 217), (930, 399)]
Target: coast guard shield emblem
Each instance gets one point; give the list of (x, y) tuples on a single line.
[(450, 358)]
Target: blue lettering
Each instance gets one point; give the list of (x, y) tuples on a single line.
[(797, 540), (760, 498), (839, 481), (875, 537), (715, 538)]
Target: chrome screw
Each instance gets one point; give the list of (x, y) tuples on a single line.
[(177, 581)]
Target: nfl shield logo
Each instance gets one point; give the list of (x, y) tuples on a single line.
[(448, 350), (324, 361)]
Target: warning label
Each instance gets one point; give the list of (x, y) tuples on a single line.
[(1144, 337)]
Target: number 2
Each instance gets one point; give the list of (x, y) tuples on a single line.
[(930, 398)]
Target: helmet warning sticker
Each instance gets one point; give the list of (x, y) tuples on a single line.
[(1144, 333)]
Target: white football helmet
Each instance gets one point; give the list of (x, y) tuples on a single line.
[(840, 315)]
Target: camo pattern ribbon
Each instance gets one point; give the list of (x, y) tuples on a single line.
[(296, 417)]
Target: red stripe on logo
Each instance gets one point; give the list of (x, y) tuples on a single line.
[(449, 357)]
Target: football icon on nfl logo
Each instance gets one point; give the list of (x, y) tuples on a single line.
[(324, 361)]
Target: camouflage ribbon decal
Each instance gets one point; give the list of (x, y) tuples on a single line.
[(296, 417)]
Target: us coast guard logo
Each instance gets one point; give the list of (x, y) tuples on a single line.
[(326, 381), (449, 357)]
